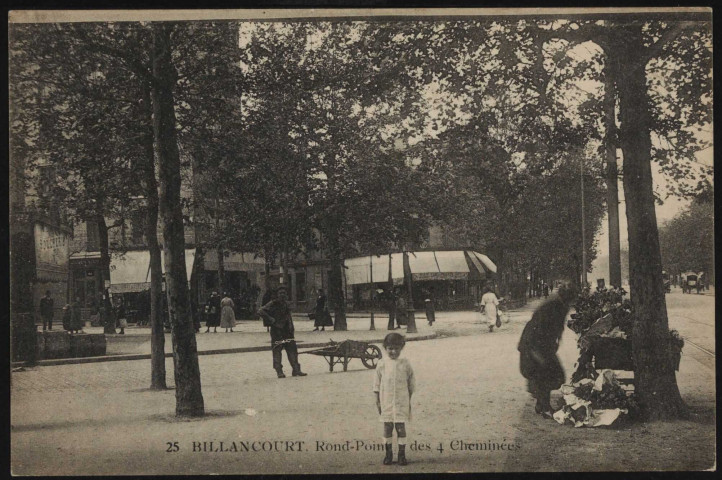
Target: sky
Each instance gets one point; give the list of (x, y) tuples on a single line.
[(671, 207)]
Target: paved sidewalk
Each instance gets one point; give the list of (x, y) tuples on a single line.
[(101, 419), (252, 336), (247, 336)]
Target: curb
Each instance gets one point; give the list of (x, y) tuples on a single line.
[(146, 356)]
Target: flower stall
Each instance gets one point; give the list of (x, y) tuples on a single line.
[(597, 395)]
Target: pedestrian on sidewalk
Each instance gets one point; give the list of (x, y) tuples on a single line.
[(429, 305), (76, 318), (402, 312), (67, 317), (228, 315), (268, 295), (46, 310), (389, 299), (488, 305), (121, 321), (323, 317), (214, 312), (394, 383), (538, 348), (277, 315)]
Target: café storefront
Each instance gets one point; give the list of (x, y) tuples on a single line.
[(455, 277)]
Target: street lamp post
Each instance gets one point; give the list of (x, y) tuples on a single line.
[(373, 292)]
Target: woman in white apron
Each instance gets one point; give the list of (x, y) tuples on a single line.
[(489, 305)]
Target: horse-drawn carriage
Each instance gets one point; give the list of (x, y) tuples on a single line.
[(691, 281)]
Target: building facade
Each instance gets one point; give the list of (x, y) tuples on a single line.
[(40, 239)]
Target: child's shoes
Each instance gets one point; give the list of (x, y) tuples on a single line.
[(389, 458), (402, 455)]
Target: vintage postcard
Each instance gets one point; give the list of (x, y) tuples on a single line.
[(338, 241)]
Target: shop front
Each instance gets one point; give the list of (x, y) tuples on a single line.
[(130, 283), (453, 277), (243, 278), (86, 284)]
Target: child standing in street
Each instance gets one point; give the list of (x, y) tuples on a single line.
[(394, 384)]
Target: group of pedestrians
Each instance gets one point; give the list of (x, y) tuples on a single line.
[(220, 312), (72, 316), (395, 303)]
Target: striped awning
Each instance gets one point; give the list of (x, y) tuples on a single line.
[(486, 262), (128, 272), (427, 265)]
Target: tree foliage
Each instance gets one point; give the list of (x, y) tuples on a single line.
[(687, 241)]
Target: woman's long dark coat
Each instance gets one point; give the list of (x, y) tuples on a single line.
[(538, 347), (323, 317), (214, 319)]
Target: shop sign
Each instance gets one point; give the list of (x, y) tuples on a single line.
[(51, 246), (80, 263)]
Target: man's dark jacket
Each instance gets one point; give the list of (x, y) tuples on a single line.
[(279, 314), (46, 307)]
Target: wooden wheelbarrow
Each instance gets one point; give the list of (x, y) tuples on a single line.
[(343, 352)]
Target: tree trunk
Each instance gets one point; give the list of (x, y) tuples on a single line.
[(335, 285), (611, 178), (221, 270), (103, 245), (655, 381), (189, 398), (150, 189), (157, 330), (267, 277)]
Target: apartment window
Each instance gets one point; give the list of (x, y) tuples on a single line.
[(93, 236)]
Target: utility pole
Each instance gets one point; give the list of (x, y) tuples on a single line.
[(584, 250)]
